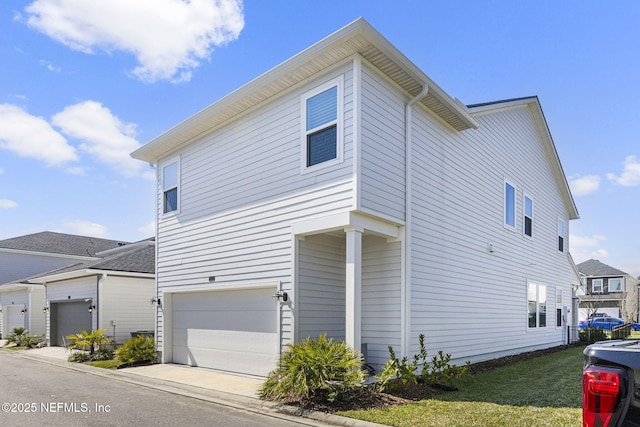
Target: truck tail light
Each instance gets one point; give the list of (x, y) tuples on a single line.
[(600, 390)]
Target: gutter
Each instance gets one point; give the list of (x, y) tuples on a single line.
[(408, 228)]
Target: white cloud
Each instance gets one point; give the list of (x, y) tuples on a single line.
[(7, 204), (50, 66), (148, 230), (583, 248), (31, 136), (85, 228), (103, 135), (630, 176), (583, 185), (169, 38)]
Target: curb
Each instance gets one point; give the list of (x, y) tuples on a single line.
[(276, 410)]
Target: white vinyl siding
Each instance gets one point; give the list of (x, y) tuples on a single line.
[(321, 287), (383, 153), (241, 189), (459, 288), (381, 298), (127, 302)]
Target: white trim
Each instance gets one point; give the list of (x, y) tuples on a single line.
[(180, 289), (337, 82), (621, 284), (357, 126), (538, 286)]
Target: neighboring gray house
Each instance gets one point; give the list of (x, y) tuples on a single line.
[(344, 192), (24, 256), (608, 290), (115, 292)]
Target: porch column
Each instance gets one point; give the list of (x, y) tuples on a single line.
[(353, 300)]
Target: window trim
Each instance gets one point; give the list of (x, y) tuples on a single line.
[(167, 163), (559, 307), (593, 286), (621, 284), (525, 216), (506, 205), (337, 82)]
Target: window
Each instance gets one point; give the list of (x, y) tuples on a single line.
[(509, 205), (537, 305), (596, 286), (321, 118), (558, 307), (528, 216), (561, 235), (615, 285), (170, 187)]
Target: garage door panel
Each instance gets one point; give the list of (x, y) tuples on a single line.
[(232, 330), (15, 318), (229, 319)]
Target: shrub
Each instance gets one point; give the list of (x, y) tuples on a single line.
[(591, 334), (78, 356), (319, 369), (137, 349), (89, 341), (103, 354), (440, 371), (21, 338)]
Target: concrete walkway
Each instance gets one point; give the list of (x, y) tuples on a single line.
[(234, 390)]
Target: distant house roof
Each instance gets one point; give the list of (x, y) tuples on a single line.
[(595, 268), (140, 261), (60, 243)]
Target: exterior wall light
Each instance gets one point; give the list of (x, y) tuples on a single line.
[(45, 310), (281, 296), (91, 308)]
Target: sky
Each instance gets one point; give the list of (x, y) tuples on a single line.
[(85, 83)]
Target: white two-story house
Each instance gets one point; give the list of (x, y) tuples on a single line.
[(344, 192)]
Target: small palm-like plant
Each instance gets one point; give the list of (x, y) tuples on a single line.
[(21, 338), (89, 341), (315, 368)]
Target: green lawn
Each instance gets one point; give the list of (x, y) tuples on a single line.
[(545, 391)]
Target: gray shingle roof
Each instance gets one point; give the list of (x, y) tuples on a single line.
[(141, 260), (60, 243), (595, 268)]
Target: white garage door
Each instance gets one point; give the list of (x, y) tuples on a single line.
[(15, 317), (231, 330)]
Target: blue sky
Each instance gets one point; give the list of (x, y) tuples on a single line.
[(82, 84)]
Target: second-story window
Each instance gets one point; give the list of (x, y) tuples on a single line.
[(561, 235), (596, 286), (509, 205), (615, 285), (170, 187), (528, 216), (321, 125)]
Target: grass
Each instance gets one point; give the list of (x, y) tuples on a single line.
[(107, 364), (545, 391)]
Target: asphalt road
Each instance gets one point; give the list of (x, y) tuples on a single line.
[(37, 393)]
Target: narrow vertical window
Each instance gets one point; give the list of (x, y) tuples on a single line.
[(321, 125), (536, 305), (558, 307), (170, 187), (561, 235), (528, 216), (509, 205)]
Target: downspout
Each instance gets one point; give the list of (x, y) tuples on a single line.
[(408, 228), (99, 278)]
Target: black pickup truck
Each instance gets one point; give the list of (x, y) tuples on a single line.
[(611, 384)]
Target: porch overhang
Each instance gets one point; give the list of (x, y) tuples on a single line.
[(344, 221)]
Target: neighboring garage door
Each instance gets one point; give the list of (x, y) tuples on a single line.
[(232, 330), (15, 317), (68, 318)]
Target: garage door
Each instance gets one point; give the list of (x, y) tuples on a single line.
[(227, 330), (15, 317), (68, 318)]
